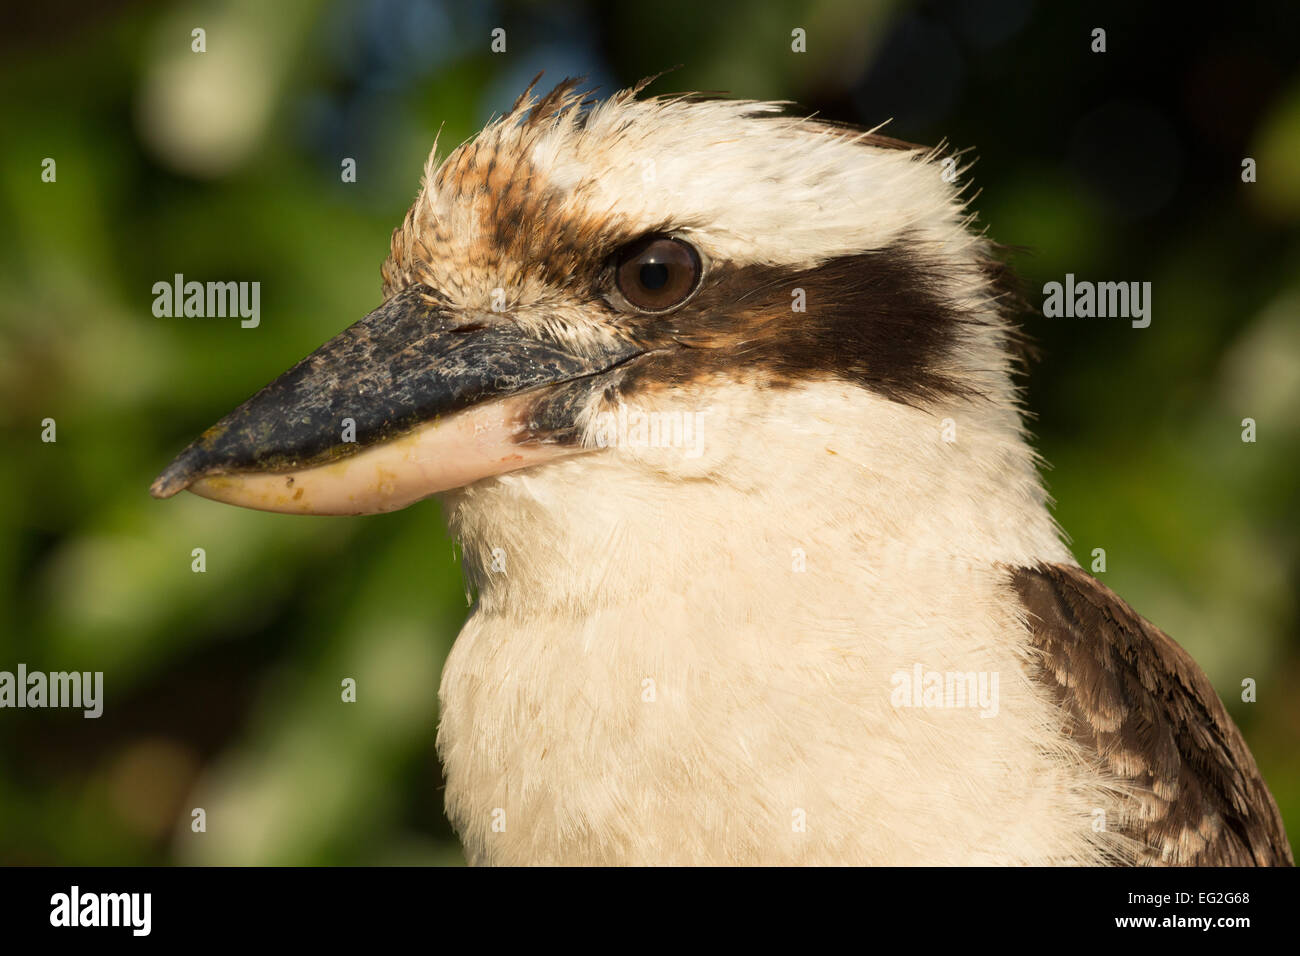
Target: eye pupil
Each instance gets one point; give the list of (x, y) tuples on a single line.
[(654, 275), (657, 273)]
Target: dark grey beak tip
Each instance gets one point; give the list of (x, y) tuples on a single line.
[(170, 482), (184, 470)]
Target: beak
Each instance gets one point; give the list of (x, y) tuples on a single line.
[(410, 401)]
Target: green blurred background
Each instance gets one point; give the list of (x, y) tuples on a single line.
[(222, 688)]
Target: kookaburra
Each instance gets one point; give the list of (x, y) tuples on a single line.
[(722, 407)]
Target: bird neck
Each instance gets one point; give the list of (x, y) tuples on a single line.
[(647, 644), (766, 493)]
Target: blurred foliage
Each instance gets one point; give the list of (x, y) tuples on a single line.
[(223, 688)]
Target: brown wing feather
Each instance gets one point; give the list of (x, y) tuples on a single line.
[(1139, 702)]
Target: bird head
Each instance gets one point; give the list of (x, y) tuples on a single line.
[(769, 286)]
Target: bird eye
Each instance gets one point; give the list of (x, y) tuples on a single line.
[(657, 273)]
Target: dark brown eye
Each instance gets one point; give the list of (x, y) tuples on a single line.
[(657, 273)]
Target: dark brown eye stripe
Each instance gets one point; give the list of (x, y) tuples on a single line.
[(878, 319)]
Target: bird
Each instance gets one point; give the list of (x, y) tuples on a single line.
[(723, 406)]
